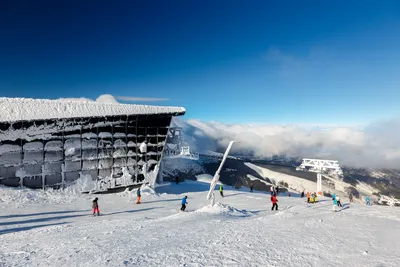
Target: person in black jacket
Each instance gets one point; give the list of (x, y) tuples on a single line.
[(95, 207)]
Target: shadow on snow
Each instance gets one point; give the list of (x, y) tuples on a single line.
[(26, 228), (40, 213), (129, 211)]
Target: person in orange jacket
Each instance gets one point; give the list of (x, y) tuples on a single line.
[(274, 202), (308, 197)]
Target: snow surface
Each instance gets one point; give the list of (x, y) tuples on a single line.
[(22, 109), (253, 178), (295, 183), (206, 178), (55, 229), (299, 184)]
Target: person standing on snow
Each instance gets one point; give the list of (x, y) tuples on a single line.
[(334, 204), (274, 202), (95, 206), (272, 190), (368, 201), (351, 197), (184, 203), (308, 197), (139, 195), (338, 201), (221, 190), (251, 188), (277, 190), (302, 194)]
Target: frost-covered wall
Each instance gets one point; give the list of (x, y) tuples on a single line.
[(53, 153)]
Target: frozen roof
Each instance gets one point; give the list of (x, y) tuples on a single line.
[(22, 109)]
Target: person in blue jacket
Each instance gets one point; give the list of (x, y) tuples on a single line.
[(334, 203), (184, 202), (333, 196), (368, 201)]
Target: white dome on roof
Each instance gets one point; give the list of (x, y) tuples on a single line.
[(107, 99)]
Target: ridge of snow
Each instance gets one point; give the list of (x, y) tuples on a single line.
[(206, 178), (294, 182), (223, 209), (23, 109), (253, 178), (300, 184)]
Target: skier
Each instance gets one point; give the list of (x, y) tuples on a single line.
[(272, 190), (251, 188), (334, 204), (221, 190), (368, 201), (95, 207), (277, 190), (338, 201), (184, 203), (139, 194), (302, 194), (308, 197), (315, 198), (274, 202), (333, 196)]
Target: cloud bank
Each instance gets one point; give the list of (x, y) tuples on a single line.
[(374, 146)]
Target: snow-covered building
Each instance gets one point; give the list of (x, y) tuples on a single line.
[(50, 143)]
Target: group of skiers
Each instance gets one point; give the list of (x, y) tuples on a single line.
[(312, 197)]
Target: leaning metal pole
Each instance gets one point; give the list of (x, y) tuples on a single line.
[(214, 181)]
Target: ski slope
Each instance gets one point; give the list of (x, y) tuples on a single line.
[(240, 230)]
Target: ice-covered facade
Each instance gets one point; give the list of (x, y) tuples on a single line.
[(51, 143)]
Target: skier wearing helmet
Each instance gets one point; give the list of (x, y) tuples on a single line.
[(184, 202)]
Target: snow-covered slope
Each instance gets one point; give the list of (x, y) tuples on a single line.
[(294, 182), (240, 230), (299, 184)]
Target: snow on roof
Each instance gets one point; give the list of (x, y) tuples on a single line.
[(21, 109)]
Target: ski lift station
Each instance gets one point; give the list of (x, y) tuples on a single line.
[(176, 147), (52, 143), (321, 166)]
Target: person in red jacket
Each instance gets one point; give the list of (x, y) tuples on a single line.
[(274, 202)]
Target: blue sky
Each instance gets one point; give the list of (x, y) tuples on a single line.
[(331, 62)]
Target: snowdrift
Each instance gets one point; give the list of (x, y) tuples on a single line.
[(223, 209), (21, 196)]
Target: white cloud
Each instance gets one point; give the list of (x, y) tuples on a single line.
[(373, 146), (140, 99)]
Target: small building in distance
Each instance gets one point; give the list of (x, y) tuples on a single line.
[(52, 143)]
